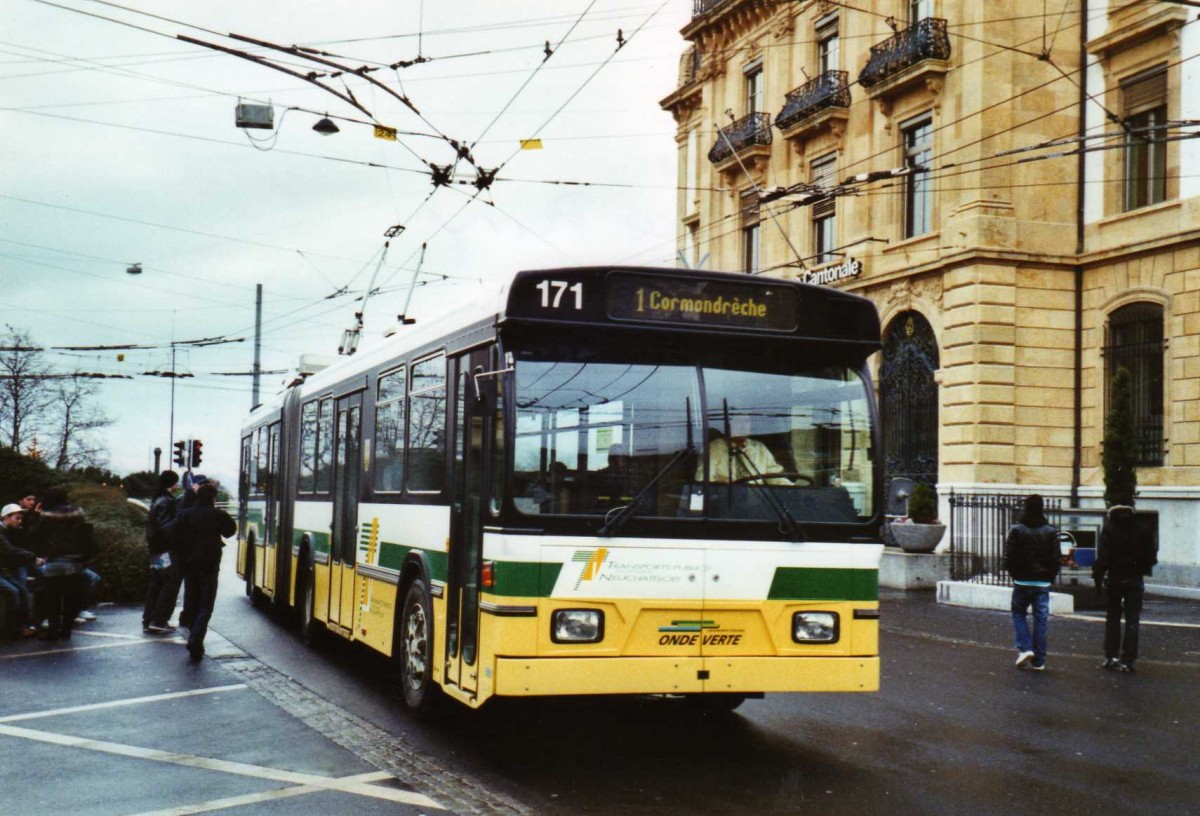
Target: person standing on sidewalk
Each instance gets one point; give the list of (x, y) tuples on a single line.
[(1032, 558), (1126, 553), (163, 588), (197, 534)]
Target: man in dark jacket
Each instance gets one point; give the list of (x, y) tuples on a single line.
[(1032, 557), (14, 561), (165, 575), (1126, 553), (197, 534), (67, 542)]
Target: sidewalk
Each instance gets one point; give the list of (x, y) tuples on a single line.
[(115, 722)]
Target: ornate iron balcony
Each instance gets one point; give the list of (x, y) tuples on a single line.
[(829, 90), (925, 40), (702, 7), (754, 129)]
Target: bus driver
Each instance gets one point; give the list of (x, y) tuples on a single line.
[(740, 457)]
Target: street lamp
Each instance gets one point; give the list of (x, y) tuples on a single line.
[(133, 269), (326, 127)]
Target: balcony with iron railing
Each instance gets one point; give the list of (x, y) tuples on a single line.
[(820, 101), (922, 48), (702, 7), (748, 139)]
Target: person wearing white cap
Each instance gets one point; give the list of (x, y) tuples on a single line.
[(13, 560)]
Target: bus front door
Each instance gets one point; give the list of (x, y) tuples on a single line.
[(344, 542), (475, 412)]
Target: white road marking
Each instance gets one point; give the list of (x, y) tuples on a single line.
[(1144, 622), (255, 798), (52, 651), (346, 785), (154, 698), (77, 633)]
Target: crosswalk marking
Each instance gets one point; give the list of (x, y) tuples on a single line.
[(154, 698), (344, 785), (256, 798)]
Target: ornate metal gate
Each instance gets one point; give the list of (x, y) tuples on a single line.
[(909, 400)]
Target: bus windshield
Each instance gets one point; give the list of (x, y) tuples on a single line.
[(689, 441)]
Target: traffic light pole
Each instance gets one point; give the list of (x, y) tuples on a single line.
[(171, 434)]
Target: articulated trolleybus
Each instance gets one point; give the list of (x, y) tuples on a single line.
[(614, 481)]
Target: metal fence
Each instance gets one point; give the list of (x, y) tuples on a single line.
[(979, 523)]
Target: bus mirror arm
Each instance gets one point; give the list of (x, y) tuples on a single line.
[(478, 375)]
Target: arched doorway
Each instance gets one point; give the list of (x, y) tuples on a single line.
[(909, 400)]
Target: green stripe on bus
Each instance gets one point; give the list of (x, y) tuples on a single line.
[(807, 583), (522, 579), (391, 556)]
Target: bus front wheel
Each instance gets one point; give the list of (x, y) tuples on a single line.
[(414, 650)]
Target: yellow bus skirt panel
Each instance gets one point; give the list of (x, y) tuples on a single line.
[(519, 677)]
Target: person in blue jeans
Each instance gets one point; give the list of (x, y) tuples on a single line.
[(1032, 557)]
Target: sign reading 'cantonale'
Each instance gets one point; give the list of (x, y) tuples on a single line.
[(658, 299), (850, 268)]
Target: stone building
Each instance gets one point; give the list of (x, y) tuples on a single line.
[(1014, 183)]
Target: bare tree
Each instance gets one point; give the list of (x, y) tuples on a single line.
[(75, 414), (24, 392)]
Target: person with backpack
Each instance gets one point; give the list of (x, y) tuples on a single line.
[(197, 535), (163, 589), (1126, 553), (1032, 557)]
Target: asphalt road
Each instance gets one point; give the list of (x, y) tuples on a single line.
[(114, 723), (955, 728)]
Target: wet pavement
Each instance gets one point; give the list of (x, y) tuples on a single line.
[(116, 722)]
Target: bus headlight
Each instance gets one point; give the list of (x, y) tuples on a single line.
[(577, 626), (815, 627)]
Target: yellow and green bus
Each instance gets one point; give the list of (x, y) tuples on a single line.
[(606, 480)]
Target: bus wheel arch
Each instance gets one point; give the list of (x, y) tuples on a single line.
[(248, 567), (306, 589)]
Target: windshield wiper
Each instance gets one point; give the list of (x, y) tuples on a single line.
[(622, 514), (758, 479)]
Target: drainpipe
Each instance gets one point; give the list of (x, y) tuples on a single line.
[(1080, 202)]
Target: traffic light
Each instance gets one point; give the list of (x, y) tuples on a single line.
[(180, 456), (197, 449)]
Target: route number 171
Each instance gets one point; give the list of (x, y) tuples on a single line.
[(553, 299)]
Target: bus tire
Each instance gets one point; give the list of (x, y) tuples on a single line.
[(310, 628), (413, 652)]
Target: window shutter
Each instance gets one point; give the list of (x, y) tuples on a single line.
[(823, 177), (1146, 90), (750, 215)]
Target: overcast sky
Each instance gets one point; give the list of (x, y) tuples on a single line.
[(119, 147)]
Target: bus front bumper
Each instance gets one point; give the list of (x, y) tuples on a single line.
[(524, 677)]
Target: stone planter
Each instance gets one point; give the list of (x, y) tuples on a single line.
[(917, 538)]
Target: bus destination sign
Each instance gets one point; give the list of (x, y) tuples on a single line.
[(701, 302)]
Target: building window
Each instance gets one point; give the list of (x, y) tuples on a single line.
[(691, 244), (828, 58), (823, 176), (919, 10), (1144, 106), (918, 192), (1135, 342), (751, 237), (692, 170), (754, 87)]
